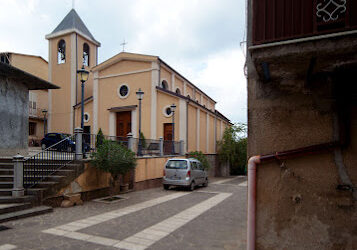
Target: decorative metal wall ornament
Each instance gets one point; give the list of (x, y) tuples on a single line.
[(330, 10)]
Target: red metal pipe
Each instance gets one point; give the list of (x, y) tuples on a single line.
[(252, 171)]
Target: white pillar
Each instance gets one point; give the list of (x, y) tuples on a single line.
[(18, 186)]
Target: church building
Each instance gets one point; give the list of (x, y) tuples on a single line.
[(110, 93)]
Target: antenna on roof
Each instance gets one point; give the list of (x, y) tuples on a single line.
[(123, 44)]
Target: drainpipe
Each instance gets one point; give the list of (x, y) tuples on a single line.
[(252, 186)]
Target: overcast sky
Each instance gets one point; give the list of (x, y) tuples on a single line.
[(199, 38)]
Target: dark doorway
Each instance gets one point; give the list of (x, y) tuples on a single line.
[(86, 134), (167, 138), (123, 123)]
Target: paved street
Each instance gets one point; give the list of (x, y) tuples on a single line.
[(208, 218)]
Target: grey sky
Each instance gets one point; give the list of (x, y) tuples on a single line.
[(199, 38)]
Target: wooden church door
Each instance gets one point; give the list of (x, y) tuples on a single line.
[(167, 138), (123, 123)]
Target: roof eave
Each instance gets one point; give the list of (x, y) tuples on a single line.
[(69, 31)]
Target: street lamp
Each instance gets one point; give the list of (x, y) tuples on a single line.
[(83, 77), (173, 107), (44, 112), (139, 95)]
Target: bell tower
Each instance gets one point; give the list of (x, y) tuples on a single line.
[(71, 45)]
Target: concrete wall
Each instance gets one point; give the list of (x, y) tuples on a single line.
[(14, 117), (298, 203)]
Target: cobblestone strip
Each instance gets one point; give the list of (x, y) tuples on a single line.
[(243, 184), (69, 229), (150, 235), (7, 247), (227, 180)]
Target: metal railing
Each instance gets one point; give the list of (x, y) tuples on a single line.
[(142, 147), (40, 166)]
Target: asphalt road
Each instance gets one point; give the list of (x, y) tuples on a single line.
[(208, 218)]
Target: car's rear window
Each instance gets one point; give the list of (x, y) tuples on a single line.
[(176, 164)]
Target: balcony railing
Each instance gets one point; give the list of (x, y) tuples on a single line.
[(279, 20), (36, 112)]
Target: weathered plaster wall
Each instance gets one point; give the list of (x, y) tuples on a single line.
[(298, 203), (14, 117)]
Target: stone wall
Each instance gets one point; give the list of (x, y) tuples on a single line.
[(13, 118)]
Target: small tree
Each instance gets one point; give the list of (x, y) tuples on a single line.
[(100, 138), (113, 158), (201, 157), (233, 148)]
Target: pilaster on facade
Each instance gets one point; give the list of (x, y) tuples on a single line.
[(173, 82), (112, 124), (95, 102), (207, 133), (183, 121), (155, 78), (73, 80), (134, 123), (185, 88), (198, 130), (49, 115)]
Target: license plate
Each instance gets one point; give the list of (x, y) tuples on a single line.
[(175, 178)]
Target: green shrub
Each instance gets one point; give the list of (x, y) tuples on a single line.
[(233, 149), (201, 157), (113, 158), (100, 138)]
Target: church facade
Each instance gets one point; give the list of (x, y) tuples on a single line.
[(110, 93)]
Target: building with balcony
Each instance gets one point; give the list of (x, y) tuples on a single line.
[(302, 116)]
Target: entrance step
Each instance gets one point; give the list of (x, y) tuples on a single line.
[(25, 213), (10, 199), (13, 207)]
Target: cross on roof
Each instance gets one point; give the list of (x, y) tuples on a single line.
[(123, 44)]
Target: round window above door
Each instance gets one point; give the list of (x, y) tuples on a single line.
[(123, 91)]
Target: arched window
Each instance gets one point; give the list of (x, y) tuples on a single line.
[(178, 91), (164, 85), (85, 54), (61, 52)]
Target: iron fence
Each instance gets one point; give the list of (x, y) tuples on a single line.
[(148, 147), (142, 147), (39, 167)]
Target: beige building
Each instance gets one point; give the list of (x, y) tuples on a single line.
[(38, 99), (110, 93), (110, 99)]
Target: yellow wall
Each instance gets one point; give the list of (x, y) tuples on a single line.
[(88, 90), (163, 100), (203, 131), (108, 97), (189, 91), (178, 84), (61, 98), (211, 147), (150, 168), (165, 75), (88, 108), (192, 128)]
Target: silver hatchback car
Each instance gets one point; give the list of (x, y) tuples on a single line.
[(184, 172)]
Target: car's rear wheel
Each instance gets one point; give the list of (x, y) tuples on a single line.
[(43, 146), (192, 186), (166, 187)]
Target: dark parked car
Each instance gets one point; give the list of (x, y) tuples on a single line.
[(68, 145)]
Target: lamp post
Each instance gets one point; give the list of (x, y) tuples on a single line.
[(173, 107), (44, 112), (83, 77), (139, 95)]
